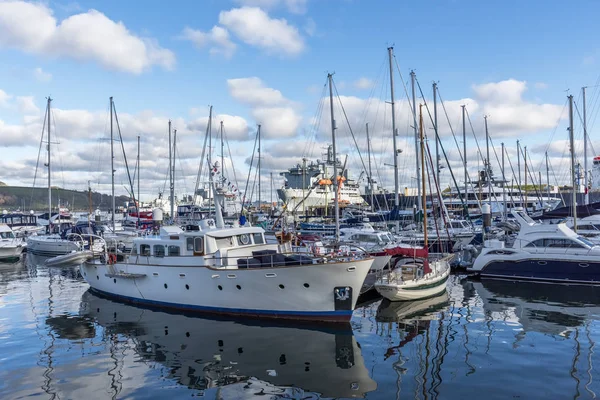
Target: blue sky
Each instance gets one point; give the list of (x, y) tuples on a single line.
[(265, 61)]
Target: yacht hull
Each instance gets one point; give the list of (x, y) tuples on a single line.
[(10, 252), (50, 246), (326, 291), (422, 288)]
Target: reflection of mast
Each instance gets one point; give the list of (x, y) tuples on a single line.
[(573, 371), (115, 373), (590, 353), (47, 386)]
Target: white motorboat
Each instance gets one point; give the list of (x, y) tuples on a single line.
[(73, 258), (230, 271), (545, 252), (11, 247)]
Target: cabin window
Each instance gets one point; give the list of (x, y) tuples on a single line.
[(224, 242), (198, 245), (174, 250), (159, 250), (243, 239), (6, 235), (258, 238), (145, 249), (189, 243)]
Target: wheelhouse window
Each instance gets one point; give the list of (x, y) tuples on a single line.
[(189, 242), (243, 239), (225, 242), (145, 249), (258, 238), (159, 250), (198, 245), (174, 250)]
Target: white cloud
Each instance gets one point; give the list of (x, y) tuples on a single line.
[(217, 39), (41, 75), (310, 27), (276, 114), (4, 98), (293, 6), (540, 85), (26, 105), (253, 26), (31, 27), (235, 128), (363, 83)]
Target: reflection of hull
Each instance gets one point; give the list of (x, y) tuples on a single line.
[(201, 353), (540, 307), (394, 311)]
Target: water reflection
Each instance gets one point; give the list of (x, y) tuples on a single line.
[(204, 353)]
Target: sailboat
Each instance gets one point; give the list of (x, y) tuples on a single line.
[(419, 277), (54, 244)]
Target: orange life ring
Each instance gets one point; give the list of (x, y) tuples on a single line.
[(112, 258)]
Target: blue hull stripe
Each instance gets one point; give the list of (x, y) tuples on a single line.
[(342, 315)]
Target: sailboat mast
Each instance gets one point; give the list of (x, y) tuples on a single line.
[(222, 150), (437, 137), (112, 167), (137, 207), (170, 173), (585, 155), (395, 149), (504, 184), (259, 157), (173, 168), (424, 198), (489, 165), (49, 170), (335, 171), (525, 187), (370, 170), (416, 130), (573, 180), (519, 166), (547, 176), (465, 154)]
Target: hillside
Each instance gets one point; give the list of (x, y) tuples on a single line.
[(27, 198)]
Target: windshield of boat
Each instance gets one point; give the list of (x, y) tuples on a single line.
[(586, 241), (7, 235), (385, 238)]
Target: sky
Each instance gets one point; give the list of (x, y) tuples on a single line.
[(266, 62)]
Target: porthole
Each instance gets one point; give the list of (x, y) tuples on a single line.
[(238, 287), (281, 286), (306, 285), (114, 280), (187, 286), (187, 334), (97, 277), (165, 285), (220, 287)]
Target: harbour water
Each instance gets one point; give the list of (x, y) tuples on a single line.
[(481, 339)]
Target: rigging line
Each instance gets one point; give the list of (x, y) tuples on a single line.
[(249, 170), (480, 156), (57, 141), (462, 200), (309, 144), (124, 154), (532, 178), (349, 127), (412, 109), (551, 139), (37, 163), (201, 163), (231, 159), (429, 164)]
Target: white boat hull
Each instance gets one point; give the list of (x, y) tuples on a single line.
[(327, 291), (74, 258), (432, 284), (50, 246), (11, 251)]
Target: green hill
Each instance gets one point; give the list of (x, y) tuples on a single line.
[(27, 198)]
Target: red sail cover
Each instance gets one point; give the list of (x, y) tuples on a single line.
[(414, 253)]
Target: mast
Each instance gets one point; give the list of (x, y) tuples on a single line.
[(271, 206), (416, 129), (222, 151), (395, 149), (304, 187), (525, 187), (489, 165), (170, 172), (112, 166), (424, 198), (504, 184), (138, 181), (49, 170), (259, 198), (547, 176), (370, 170), (572, 143), (465, 155), (335, 172), (585, 155), (437, 137), (173, 184), (519, 167)]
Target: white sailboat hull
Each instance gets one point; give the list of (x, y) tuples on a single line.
[(394, 288), (327, 291)]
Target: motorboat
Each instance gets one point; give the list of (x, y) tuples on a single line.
[(11, 247), (544, 252), (230, 270)]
